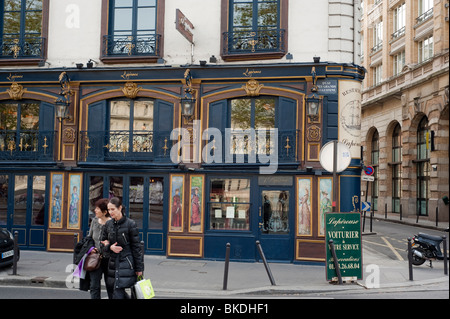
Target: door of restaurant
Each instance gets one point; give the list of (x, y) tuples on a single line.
[(276, 223), (143, 198), (23, 207)]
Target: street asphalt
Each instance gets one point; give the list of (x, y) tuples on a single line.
[(200, 278)]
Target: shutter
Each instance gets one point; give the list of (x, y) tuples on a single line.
[(287, 125), (96, 129), (162, 127), (46, 130)]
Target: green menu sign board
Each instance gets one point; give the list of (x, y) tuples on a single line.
[(345, 231)]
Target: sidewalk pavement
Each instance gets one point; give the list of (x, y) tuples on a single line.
[(194, 278)]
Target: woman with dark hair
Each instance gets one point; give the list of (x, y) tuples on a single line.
[(96, 232), (121, 239)]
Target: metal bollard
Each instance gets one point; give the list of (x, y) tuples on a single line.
[(410, 259), (16, 252), (75, 242), (444, 246), (227, 263), (266, 265), (336, 263), (437, 216), (364, 221)]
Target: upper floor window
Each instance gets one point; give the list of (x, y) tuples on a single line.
[(425, 10), (133, 30), (26, 128), (426, 49), (257, 114), (21, 29), (399, 62), (377, 36), (399, 21), (262, 127), (131, 126), (128, 130), (377, 74), (255, 27)]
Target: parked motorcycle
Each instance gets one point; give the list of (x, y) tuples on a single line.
[(426, 247)]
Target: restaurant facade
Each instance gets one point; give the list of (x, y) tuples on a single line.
[(201, 154)]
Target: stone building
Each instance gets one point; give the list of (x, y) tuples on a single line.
[(405, 99)]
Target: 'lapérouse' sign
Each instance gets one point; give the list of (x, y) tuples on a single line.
[(345, 231)]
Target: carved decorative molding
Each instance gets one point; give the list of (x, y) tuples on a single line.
[(313, 134), (252, 87), (69, 135), (16, 91), (131, 90)]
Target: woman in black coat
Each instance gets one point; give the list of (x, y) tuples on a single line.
[(121, 238)]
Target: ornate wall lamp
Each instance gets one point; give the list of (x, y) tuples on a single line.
[(62, 103), (188, 102), (62, 108), (313, 101)]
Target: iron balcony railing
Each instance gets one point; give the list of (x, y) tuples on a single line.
[(99, 146), (261, 41), (142, 45), (424, 16), (250, 146), (27, 145), (397, 34), (20, 48), (129, 146)]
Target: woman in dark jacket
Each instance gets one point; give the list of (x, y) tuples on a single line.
[(121, 238)]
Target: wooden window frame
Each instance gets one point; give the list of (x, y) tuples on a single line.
[(224, 27), (19, 61), (133, 59)]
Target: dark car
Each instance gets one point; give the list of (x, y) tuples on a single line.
[(6, 248)]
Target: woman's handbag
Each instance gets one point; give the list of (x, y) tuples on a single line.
[(92, 261), (144, 289)]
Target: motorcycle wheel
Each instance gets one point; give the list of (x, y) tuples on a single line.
[(416, 260)]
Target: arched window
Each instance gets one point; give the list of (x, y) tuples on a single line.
[(375, 153), (423, 166), (26, 130), (396, 168)]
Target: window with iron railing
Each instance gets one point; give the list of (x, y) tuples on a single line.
[(254, 28), (399, 20), (127, 130), (377, 37), (425, 10), (23, 133), (132, 30), (21, 30)]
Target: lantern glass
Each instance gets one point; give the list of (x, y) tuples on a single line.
[(187, 107), (62, 109), (313, 107)]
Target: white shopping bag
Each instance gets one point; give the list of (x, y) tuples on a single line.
[(144, 289)]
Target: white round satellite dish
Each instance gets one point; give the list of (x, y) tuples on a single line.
[(343, 157)]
